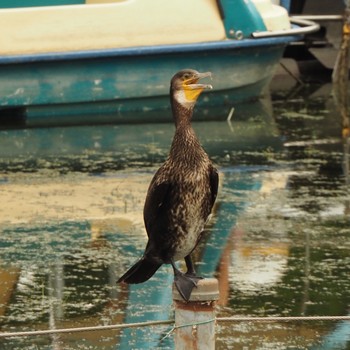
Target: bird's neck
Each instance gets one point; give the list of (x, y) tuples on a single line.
[(185, 145), (182, 114)]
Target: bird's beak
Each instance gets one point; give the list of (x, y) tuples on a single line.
[(193, 82), (193, 89)]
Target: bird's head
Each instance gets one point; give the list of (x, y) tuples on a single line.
[(185, 88)]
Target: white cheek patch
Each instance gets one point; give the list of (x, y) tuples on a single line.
[(180, 97)]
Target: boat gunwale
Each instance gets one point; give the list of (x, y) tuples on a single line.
[(211, 46)]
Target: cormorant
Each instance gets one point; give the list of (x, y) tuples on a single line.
[(181, 194)]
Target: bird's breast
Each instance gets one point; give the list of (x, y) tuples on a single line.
[(188, 214)]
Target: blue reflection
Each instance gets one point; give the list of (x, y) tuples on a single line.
[(337, 339)]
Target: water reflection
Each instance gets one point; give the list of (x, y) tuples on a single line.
[(71, 222), (116, 147), (63, 278)]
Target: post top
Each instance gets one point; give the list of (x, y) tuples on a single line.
[(207, 290)]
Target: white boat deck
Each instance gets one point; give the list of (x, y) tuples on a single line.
[(107, 24)]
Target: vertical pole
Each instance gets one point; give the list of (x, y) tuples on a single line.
[(340, 74), (195, 319), (340, 79)]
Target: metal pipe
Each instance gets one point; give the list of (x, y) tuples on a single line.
[(319, 18), (304, 27)]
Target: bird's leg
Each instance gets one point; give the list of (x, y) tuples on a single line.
[(184, 283), (191, 272)]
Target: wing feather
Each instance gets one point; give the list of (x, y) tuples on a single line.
[(154, 209)]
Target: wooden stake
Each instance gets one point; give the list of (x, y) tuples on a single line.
[(195, 319)]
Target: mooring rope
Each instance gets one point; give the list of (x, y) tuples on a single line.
[(282, 318), (84, 329), (233, 319), (174, 327)]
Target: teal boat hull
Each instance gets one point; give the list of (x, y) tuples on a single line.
[(129, 84)]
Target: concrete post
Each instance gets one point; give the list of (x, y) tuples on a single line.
[(195, 319)]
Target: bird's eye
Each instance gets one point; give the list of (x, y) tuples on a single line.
[(186, 76)]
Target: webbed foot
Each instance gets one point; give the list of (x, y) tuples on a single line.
[(185, 283)]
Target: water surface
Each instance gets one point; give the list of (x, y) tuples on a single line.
[(71, 224)]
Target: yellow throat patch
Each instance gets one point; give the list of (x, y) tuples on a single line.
[(191, 94)]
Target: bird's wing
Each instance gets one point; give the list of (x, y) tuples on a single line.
[(214, 184), (154, 209)]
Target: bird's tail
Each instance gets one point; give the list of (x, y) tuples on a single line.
[(143, 270)]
